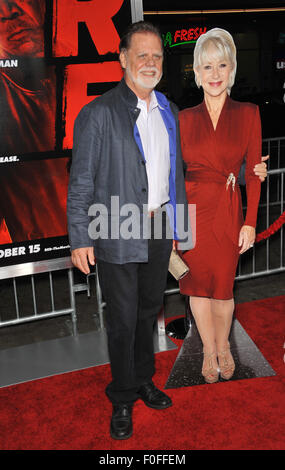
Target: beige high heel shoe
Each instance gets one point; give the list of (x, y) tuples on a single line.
[(227, 367), (210, 374)]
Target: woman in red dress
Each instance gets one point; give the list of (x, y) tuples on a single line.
[(216, 136)]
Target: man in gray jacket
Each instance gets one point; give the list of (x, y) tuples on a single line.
[(127, 159)]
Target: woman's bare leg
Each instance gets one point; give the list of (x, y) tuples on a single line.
[(202, 312), (222, 311), (222, 318)]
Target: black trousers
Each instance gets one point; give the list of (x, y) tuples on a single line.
[(134, 295)]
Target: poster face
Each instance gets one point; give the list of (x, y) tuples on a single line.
[(55, 57)]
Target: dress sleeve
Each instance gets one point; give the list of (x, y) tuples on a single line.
[(253, 156)]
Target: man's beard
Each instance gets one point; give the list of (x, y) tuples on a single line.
[(145, 82)]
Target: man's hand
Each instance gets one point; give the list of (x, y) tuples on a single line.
[(81, 256), (260, 169)]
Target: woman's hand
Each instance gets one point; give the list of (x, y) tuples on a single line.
[(246, 238)]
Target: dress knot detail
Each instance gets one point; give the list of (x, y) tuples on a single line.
[(231, 180)]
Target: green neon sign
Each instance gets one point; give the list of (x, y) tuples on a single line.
[(182, 36), (180, 43)]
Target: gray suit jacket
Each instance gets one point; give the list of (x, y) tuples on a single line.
[(108, 178)]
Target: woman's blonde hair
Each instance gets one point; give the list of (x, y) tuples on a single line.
[(225, 50)]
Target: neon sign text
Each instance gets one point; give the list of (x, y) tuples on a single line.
[(183, 36)]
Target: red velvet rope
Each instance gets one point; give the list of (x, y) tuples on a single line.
[(271, 229)]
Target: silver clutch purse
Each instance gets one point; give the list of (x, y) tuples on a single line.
[(177, 267)]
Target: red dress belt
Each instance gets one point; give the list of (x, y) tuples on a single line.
[(229, 217)]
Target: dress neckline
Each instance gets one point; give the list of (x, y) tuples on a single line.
[(220, 116)]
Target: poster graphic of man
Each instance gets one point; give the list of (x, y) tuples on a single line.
[(27, 84), (21, 28), (33, 191)]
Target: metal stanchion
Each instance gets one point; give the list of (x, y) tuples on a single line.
[(179, 327)]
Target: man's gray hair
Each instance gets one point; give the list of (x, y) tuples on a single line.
[(139, 27)]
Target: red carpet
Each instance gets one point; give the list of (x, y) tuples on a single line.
[(70, 411)]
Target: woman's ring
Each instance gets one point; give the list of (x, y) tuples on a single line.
[(251, 246)]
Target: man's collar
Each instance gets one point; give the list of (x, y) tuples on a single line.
[(127, 93), (153, 103)]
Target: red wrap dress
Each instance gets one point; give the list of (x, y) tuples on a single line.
[(213, 158)]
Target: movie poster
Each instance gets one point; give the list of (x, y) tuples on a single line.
[(55, 57)]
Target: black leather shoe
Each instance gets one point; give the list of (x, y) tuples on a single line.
[(121, 422), (153, 397)]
